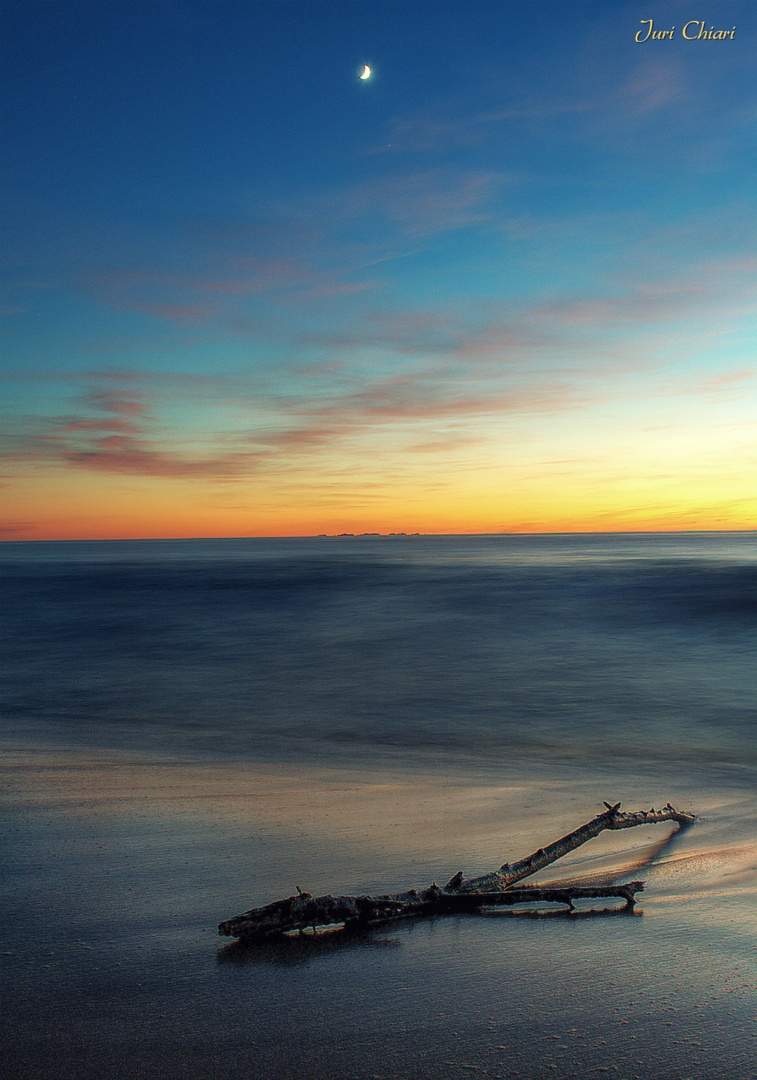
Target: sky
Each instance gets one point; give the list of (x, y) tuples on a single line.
[(506, 284)]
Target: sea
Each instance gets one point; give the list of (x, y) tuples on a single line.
[(194, 727)]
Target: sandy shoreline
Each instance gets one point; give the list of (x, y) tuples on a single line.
[(120, 868)]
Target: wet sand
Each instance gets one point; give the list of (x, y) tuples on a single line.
[(119, 867)]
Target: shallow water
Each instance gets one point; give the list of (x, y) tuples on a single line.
[(633, 646), (191, 728)]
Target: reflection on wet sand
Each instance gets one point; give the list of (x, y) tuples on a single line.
[(303, 948), (306, 946)]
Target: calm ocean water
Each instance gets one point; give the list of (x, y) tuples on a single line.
[(191, 728), (603, 645)]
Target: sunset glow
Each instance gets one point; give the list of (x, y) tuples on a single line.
[(509, 286)]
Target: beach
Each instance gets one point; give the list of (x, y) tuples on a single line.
[(128, 838), (378, 510)]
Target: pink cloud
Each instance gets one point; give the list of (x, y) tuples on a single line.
[(423, 396), (306, 436), (124, 438), (9, 528), (116, 413), (182, 298), (451, 440), (125, 454), (451, 366), (731, 384), (97, 425), (646, 305), (112, 401)]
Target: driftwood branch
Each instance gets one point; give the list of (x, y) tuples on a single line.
[(303, 910), (612, 818)]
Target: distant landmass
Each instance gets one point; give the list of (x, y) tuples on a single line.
[(335, 536)]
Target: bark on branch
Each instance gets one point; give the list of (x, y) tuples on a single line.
[(303, 910), (612, 818)]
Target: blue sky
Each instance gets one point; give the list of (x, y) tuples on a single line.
[(506, 283)]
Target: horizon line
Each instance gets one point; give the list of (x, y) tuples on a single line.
[(370, 535)]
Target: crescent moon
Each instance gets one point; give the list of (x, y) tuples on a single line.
[(365, 73)]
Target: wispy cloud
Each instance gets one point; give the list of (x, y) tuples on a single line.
[(655, 84), (117, 433), (727, 384), (120, 433), (219, 295), (421, 378), (645, 88), (444, 127), (320, 252), (112, 401), (134, 456), (9, 528), (423, 202)]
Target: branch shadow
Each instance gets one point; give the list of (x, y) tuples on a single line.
[(614, 876), (562, 913), (291, 950)]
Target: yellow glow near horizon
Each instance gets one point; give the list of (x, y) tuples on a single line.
[(82, 506), (599, 469)]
